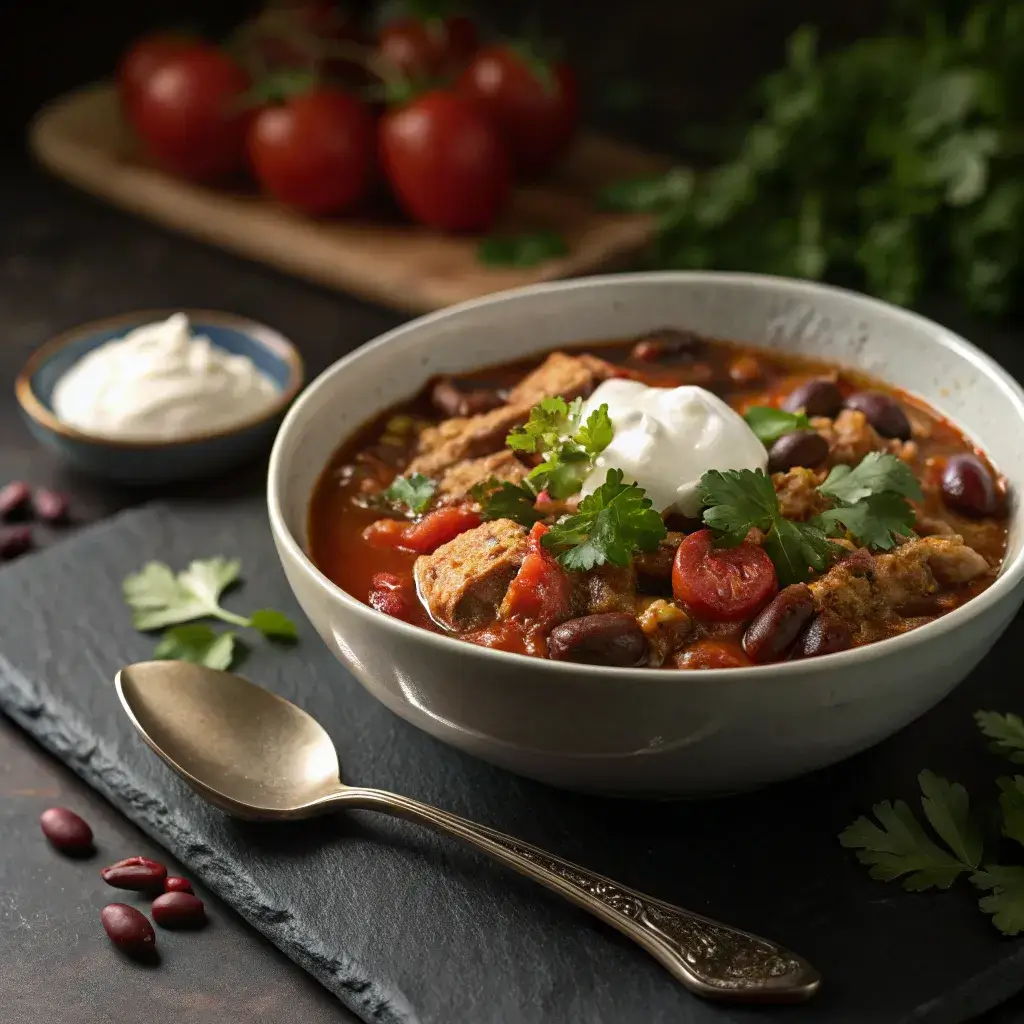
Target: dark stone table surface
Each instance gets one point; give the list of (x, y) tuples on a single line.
[(65, 259)]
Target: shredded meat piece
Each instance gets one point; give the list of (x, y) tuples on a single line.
[(460, 479), (797, 494), (570, 376), (850, 437), (868, 592), (667, 628), (605, 588)]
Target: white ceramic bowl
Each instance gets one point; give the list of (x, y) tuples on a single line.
[(643, 731)]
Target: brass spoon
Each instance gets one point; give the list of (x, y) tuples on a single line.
[(255, 755)]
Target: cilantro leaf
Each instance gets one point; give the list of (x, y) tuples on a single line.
[(947, 808), (500, 499), (797, 550), (769, 423), (596, 434), (1011, 807), (414, 491), (1006, 901), (197, 643), (526, 250), (562, 473), (1006, 732), (274, 625), (609, 526), (549, 420), (876, 473), (877, 521)]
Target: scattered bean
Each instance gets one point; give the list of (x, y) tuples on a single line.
[(179, 910), (800, 448), (66, 830), (14, 499), (173, 883), (50, 506), (882, 412), (967, 487), (777, 626), (667, 343), (128, 929), (139, 874), (607, 638), (826, 634), (14, 541), (450, 398), (818, 397)]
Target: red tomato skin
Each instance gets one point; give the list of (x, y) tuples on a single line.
[(421, 50), (315, 152), (722, 584), (439, 527), (541, 592), (708, 654), (536, 118), (446, 163), (142, 59), (190, 114)]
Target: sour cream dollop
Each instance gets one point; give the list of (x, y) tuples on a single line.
[(161, 383), (666, 439)]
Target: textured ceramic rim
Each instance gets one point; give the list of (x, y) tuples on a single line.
[(1011, 576), (260, 333)]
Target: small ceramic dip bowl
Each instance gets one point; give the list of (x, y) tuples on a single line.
[(190, 457)]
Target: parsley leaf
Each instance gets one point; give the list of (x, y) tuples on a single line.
[(797, 550), (274, 625), (1006, 732), (947, 808), (550, 419), (877, 521), (609, 526), (500, 499), (526, 250), (876, 473), (197, 643), (1006, 901), (414, 491), (769, 423), (1011, 805), (596, 434)]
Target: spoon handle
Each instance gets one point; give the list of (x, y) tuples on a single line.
[(711, 959)]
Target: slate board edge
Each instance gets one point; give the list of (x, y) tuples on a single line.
[(60, 730)]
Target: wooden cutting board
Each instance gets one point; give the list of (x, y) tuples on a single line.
[(82, 138)]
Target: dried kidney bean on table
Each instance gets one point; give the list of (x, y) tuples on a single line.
[(179, 910), (66, 831), (128, 929), (140, 874)]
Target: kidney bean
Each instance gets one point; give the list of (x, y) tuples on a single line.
[(968, 488), (128, 929), (776, 627), (882, 412), (818, 397), (667, 343), (452, 399), (826, 634), (14, 499), (799, 448), (14, 541), (174, 883), (50, 506), (607, 638), (139, 874), (66, 830), (179, 910)]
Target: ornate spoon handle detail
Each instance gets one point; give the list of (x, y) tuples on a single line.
[(711, 959)]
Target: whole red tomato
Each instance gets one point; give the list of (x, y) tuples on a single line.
[(143, 57), (535, 105), (423, 49), (446, 162), (314, 151), (191, 115)]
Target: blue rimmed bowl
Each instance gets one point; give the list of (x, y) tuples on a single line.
[(158, 462)]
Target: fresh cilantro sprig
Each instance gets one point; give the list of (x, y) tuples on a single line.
[(769, 423), (158, 598), (415, 492), (876, 473), (610, 525), (898, 846), (500, 499)]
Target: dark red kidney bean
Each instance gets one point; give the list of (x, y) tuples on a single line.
[(14, 499), (799, 448), (66, 830), (174, 883), (968, 488), (449, 398), (140, 874), (607, 638), (179, 910), (818, 397), (775, 628), (15, 541), (882, 412), (128, 929), (667, 343), (50, 506), (826, 634)]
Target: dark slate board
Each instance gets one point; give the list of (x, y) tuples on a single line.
[(407, 927)]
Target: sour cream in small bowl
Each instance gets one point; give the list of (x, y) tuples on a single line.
[(154, 397)]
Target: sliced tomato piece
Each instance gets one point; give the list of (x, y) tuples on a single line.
[(439, 527), (705, 654), (541, 591), (722, 584)]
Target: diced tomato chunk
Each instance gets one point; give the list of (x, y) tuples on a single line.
[(541, 591), (705, 654), (439, 527), (385, 533), (393, 595)]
